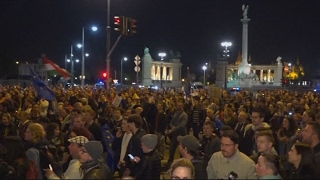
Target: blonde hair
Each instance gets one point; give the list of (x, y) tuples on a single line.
[(182, 162), (37, 131)]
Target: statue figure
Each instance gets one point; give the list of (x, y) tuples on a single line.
[(146, 50), (279, 59), (177, 55), (245, 11)]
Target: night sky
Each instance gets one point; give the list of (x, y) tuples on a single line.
[(195, 28)]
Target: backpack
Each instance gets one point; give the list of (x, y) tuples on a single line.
[(32, 173)]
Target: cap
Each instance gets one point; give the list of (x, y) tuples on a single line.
[(81, 140), (150, 140), (190, 142), (94, 149)]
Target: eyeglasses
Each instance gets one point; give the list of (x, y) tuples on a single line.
[(177, 178), (226, 145), (83, 151)]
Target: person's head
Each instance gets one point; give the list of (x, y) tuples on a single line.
[(300, 154), (79, 120), (265, 141), (308, 115), (311, 133), (80, 131), (160, 106), (242, 117), (44, 121), (91, 150), (6, 119), (189, 146), (13, 149), (89, 115), (210, 113), (182, 169), (117, 113), (268, 164), (180, 105), (76, 144), (34, 133), (134, 122), (229, 143), (53, 130), (257, 117), (138, 109), (149, 142), (124, 125), (208, 128)]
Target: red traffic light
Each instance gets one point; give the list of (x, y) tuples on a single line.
[(104, 74)]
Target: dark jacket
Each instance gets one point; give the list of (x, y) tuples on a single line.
[(134, 148), (199, 168), (209, 146), (303, 172), (150, 166), (96, 170), (162, 120)]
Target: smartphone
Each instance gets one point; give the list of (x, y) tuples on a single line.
[(131, 157), (50, 167)]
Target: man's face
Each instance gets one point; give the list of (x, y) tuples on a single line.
[(182, 150), (117, 114), (74, 150), (261, 168), (207, 130), (83, 155), (263, 144), (242, 116), (179, 106), (307, 134), (255, 117), (77, 122), (210, 113), (159, 107), (305, 117), (124, 125), (228, 148)]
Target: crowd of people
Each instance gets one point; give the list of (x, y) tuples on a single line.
[(89, 133)]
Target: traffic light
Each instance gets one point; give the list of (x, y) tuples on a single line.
[(120, 24), (105, 75), (133, 26)]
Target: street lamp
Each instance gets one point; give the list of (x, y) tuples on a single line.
[(204, 74), (124, 59), (72, 62), (162, 55), (94, 28), (225, 57)]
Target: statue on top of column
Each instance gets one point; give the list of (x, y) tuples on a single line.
[(146, 50), (245, 9)]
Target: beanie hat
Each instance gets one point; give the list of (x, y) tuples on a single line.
[(94, 149), (150, 140), (190, 142)]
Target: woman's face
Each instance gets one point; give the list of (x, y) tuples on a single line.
[(57, 132), (294, 157), (181, 173), (285, 123), (5, 120), (28, 136)]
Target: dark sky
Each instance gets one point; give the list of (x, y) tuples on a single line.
[(195, 28)]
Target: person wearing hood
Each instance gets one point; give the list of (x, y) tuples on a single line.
[(257, 118)]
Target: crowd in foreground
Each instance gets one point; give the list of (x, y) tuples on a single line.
[(88, 133)]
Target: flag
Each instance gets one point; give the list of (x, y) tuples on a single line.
[(42, 89), (53, 69)]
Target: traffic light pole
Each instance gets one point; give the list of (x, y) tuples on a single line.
[(108, 45)]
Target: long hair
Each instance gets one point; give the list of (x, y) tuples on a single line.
[(182, 162), (14, 150), (38, 131), (307, 156)]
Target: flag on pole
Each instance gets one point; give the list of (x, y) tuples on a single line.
[(54, 69), (42, 89)]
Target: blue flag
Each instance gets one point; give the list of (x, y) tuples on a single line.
[(42, 89)]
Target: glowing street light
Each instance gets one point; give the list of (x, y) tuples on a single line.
[(204, 74)]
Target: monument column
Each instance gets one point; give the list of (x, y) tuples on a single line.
[(146, 68), (269, 75), (244, 66), (278, 72), (261, 75)]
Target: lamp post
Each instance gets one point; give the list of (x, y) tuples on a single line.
[(204, 74), (225, 57), (83, 55), (162, 55), (72, 62), (124, 59), (108, 44)]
